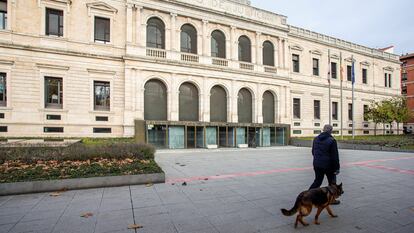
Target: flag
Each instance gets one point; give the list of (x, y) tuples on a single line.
[(353, 72)]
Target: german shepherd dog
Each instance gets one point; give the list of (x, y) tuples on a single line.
[(319, 197)]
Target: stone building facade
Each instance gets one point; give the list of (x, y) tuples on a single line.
[(177, 68)]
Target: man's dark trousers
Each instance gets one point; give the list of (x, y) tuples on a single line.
[(319, 175)]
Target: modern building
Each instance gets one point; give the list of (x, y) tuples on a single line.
[(407, 83), (179, 73)]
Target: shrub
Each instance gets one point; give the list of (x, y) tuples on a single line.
[(78, 151)]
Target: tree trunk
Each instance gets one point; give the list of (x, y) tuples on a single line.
[(383, 129), (398, 128), (391, 128), (375, 130)]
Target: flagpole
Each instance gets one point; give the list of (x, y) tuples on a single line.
[(353, 94), (329, 81), (342, 78)]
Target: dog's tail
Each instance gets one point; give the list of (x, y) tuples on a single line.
[(294, 208)]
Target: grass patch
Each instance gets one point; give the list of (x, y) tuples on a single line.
[(395, 141), (76, 161)]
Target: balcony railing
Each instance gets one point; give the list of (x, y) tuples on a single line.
[(189, 57), (269, 69), (151, 52), (220, 62), (246, 66)]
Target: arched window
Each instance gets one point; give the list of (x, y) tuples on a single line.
[(268, 54), (188, 39), (244, 106), (188, 102), (218, 104), (245, 50), (218, 44), (155, 33), (268, 108), (155, 101)]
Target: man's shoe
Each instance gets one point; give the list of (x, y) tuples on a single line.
[(336, 202)]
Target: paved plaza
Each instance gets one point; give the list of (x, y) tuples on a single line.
[(229, 191)]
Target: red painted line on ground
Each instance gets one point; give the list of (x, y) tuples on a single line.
[(392, 169), (285, 170)]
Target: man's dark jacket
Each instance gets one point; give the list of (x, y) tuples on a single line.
[(325, 152)]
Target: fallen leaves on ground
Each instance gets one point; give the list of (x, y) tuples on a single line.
[(134, 226), (149, 185), (87, 215)]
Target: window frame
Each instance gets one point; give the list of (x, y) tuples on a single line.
[(315, 70), (162, 30), (296, 63), (334, 70), (334, 113), (61, 22), (316, 109), (192, 44), (365, 111), (106, 84), (364, 75), (60, 90), (350, 115), (245, 51), (3, 102), (296, 108), (349, 73), (221, 52), (104, 41), (3, 15), (271, 60)]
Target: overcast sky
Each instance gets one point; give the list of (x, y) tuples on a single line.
[(373, 23)]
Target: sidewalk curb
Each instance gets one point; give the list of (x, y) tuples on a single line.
[(80, 183)]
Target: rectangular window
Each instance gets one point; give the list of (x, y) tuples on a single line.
[(389, 80), (349, 73), (295, 61), (317, 131), (54, 22), (317, 124), (386, 80), (3, 89), (1, 115), (365, 112), (53, 117), (333, 70), (102, 95), (53, 92), (53, 129), (102, 30), (3, 129), (316, 67), (3, 14), (101, 118), (364, 76), (350, 115), (296, 124), (317, 109), (296, 108), (297, 131), (102, 130), (335, 110)]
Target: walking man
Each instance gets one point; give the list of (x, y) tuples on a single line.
[(325, 158)]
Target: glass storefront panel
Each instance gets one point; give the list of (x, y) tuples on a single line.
[(176, 137), (191, 137), (222, 137), (241, 137), (230, 137), (266, 137), (200, 137), (280, 136), (157, 135), (211, 135), (273, 136)]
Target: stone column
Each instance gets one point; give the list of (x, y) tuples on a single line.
[(259, 104), (279, 53), (173, 99), (285, 53), (233, 43), (139, 40), (173, 34), (205, 41), (129, 23), (259, 49)]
